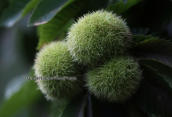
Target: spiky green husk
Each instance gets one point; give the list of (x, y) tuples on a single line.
[(98, 35), (54, 60), (116, 80)]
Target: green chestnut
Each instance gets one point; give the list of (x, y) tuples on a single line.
[(116, 80), (98, 36), (54, 61)]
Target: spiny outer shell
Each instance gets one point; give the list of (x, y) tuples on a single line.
[(98, 35), (54, 60), (116, 80)]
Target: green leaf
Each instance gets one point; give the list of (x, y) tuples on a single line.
[(147, 14), (140, 38), (132, 110), (153, 101), (62, 21), (163, 69), (45, 11), (30, 6), (75, 107), (158, 49), (26, 96), (139, 30), (88, 107), (121, 7), (99, 108), (3, 4), (13, 13), (155, 93), (92, 107), (57, 107)]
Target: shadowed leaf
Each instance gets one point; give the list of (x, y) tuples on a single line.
[(27, 95), (155, 94), (162, 69), (121, 7), (139, 38), (30, 6), (75, 107), (158, 49), (13, 13), (45, 11)]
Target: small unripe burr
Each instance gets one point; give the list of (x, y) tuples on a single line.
[(116, 80), (54, 61), (98, 36)]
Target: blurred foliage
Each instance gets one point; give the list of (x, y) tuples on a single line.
[(150, 22)]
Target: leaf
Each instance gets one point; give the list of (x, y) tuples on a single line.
[(152, 100), (30, 6), (45, 11), (57, 107), (101, 108), (60, 22), (3, 4), (155, 93), (162, 69), (24, 97), (38, 30), (75, 107), (140, 38), (88, 110), (48, 32), (125, 1), (13, 13), (147, 14), (132, 110), (121, 7), (140, 31), (158, 49)]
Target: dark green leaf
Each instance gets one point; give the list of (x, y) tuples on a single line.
[(163, 69), (27, 95), (140, 38), (110, 109), (13, 13), (153, 100), (88, 110), (3, 4), (158, 49), (57, 107), (155, 93), (140, 31), (75, 107), (30, 6), (149, 14), (60, 22), (121, 7), (45, 11), (101, 108), (132, 110)]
